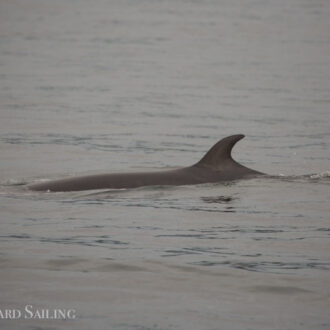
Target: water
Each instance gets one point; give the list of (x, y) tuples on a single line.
[(102, 86)]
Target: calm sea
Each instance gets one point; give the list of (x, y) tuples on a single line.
[(123, 85)]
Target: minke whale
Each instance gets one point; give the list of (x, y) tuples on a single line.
[(217, 165)]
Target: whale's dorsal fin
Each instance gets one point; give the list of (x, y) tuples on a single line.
[(220, 152)]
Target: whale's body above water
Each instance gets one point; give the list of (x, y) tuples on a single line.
[(216, 166)]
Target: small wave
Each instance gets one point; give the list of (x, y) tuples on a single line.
[(218, 199), (14, 182), (319, 177), (322, 175), (267, 266), (99, 241)]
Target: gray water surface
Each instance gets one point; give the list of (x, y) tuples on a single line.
[(103, 86)]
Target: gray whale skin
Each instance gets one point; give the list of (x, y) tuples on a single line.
[(216, 166)]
